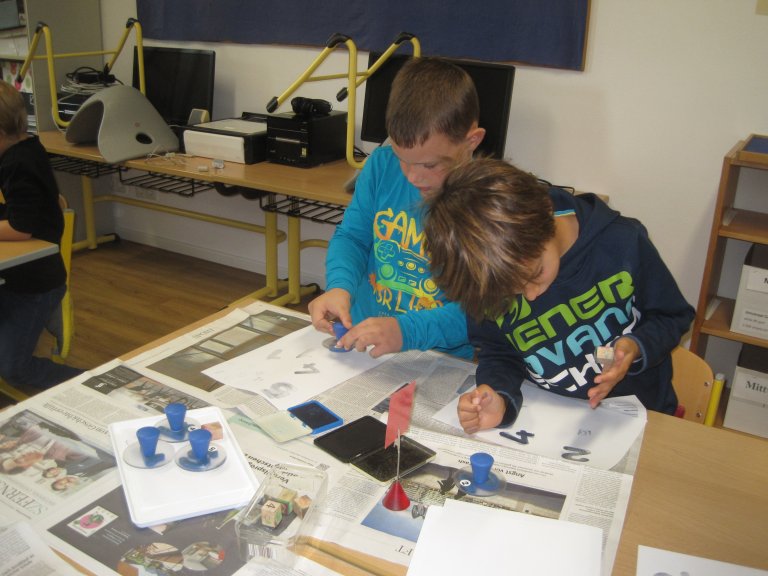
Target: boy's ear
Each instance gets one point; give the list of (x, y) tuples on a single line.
[(475, 137)]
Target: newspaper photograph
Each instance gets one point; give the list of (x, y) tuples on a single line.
[(42, 464), (128, 388), (102, 536), (262, 325)]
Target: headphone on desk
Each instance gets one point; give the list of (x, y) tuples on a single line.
[(310, 106)]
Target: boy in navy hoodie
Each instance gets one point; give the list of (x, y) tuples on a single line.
[(545, 279)]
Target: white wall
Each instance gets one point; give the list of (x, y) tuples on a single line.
[(669, 87)]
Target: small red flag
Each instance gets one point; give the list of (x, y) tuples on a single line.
[(400, 404)]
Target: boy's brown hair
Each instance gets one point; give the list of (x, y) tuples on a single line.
[(431, 96), (482, 230), (13, 112)]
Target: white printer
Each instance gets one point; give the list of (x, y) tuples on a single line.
[(242, 140)]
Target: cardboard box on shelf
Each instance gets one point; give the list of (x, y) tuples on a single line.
[(750, 315), (748, 403)]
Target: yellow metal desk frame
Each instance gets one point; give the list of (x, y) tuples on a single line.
[(314, 193)]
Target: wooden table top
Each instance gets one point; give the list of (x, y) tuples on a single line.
[(323, 183), (700, 491), (15, 252)]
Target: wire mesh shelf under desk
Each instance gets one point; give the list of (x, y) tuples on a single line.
[(300, 208), (81, 167), (166, 183)]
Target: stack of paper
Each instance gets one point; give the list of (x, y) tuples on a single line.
[(463, 538)]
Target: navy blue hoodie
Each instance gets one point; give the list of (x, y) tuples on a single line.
[(611, 283)]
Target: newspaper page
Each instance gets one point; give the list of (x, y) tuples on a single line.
[(45, 462), (182, 361), (97, 533), (55, 445), (23, 553), (354, 516), (93, 526)]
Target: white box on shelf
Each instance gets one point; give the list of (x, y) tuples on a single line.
[(750, 315), (748, 403)]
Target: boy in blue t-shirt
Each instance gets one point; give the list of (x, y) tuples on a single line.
[(378, 277), (546, 278)]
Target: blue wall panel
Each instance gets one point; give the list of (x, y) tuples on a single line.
[(537, 32)]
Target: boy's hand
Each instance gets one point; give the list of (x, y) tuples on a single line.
[(334, 304), (481, 409), (625, 352), (381, 333)]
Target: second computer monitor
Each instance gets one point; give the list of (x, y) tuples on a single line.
[(493, 82), (177, 80)]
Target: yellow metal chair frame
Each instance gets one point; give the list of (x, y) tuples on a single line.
[(13, 393), (698, 393), (354, 80), (67, 328), (43, 30)]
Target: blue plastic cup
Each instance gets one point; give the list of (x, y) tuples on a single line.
[(481, 463), (339, 330), (175, 413), (200, 440), (147, 437)]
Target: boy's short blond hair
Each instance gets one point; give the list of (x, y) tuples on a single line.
[(13, 111), (482, 230), (431, 96)]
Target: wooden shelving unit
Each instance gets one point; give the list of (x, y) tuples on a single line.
[(714, 312)]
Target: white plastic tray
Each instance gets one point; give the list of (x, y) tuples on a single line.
[(168, 493)]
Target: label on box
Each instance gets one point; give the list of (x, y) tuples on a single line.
[(750, 385), (757, 279), (753, 321), (750, 315)]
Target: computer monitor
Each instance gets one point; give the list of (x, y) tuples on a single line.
[(493, 82), (177, 80)]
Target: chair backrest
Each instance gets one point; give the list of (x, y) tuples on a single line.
[(67, 236), (692, 380)]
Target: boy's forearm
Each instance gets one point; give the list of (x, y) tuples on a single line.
[(345, 263), (9, 233), (444, 327)]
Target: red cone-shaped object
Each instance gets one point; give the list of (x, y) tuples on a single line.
[(396, 499)]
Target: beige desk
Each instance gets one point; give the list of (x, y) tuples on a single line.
[(306, 191), (13, 253), (700, 491), (697, 490)]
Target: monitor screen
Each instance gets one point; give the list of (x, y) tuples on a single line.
[(177, 80), (493, 82)]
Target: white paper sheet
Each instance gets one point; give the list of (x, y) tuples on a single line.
[(564, 428), (463, 538), (293, 369), (656, 562)]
